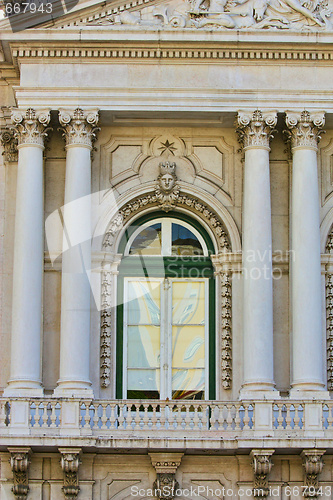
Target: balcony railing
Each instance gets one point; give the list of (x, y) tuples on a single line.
[(280, 419)]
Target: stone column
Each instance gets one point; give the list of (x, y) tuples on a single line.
[(306, 292), (255, 131), (28, 261), (79, 128)]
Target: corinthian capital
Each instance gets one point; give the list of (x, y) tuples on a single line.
[(30, 126), (256, 129), (79, 126), (304, 128)]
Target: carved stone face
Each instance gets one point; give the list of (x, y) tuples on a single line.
[(167, 182)]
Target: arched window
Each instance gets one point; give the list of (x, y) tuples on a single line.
[(166, 310)]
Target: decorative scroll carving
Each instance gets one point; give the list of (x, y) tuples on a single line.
[(150, 200), (70, 465), (19, 462), (167, 189), (256, 129), (232, 14), (9, 143), (106, 328), (262, 466), (30, 126), (313, 465), (305, 129), (226, 331), (166, 465), (79, 127), (329, 330)]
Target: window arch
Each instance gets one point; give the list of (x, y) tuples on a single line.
[(166, 310)]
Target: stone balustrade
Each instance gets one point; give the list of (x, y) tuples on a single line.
[(210, 421)]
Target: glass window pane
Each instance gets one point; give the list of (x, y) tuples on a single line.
[(188, 303), (148, 241), (143, 306), (184, 242), (188, 347), (188, 384), (144, 380), (143, 346)]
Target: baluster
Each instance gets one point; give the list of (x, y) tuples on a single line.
[(229, 417), (154, 418), (2, 415), (205, 421), (246, 417), (296, 418), (330, 417), (179, 418), (53, 416), (280, 417), (86, 416), (95, 417), (164, 409), (145, 417), (31, 407), (196, 418), (104, 417), (44, 414), (237, 418), (113, 424), (288, 417), (121, 418)]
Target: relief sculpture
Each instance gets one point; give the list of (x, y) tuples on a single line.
[(310, 15)]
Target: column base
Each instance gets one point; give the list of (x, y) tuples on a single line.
[(312, 394), (23, 389), (73, 389), (260, 390)]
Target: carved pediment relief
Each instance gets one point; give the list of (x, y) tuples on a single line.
[(231, 14), (200, 161)]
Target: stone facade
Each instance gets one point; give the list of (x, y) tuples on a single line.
[(219, 113)]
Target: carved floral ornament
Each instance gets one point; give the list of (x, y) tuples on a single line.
[(79, 127), (19, 462), (305, 129), (231, 14), (70, 463), (256, 129)]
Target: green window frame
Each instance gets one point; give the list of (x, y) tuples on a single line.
[(174, 267)]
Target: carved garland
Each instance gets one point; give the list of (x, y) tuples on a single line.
[(226, 348), (329, 316), (106, 329)]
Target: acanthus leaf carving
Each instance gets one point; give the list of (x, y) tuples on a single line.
[(262, 466), (9, 143), (313, 465), (70, 463), (226, 331), (19, 462), (304, 129), (31, 127), (106, 328), (256, 129), (165, 485), (79, 127)]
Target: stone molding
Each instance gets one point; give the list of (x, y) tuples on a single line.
[(305, 129), (200, 53), (329, 330), (19, 462), (9, 143), (165, 465), (256, 129), (70, 463), (150, 200), (262, 466), (313, 465), (79, 127), (30, 127)]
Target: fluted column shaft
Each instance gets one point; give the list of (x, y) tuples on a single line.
[(307, 337), (79, 132), (255, 131), (25, 372)]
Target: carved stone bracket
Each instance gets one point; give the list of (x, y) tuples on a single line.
[(166, 465), (256, 129), (313, 465), (262, 466), (79, 127), (30, 126), (9, 143), (70, 463), (19, 462), (305, 129)]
